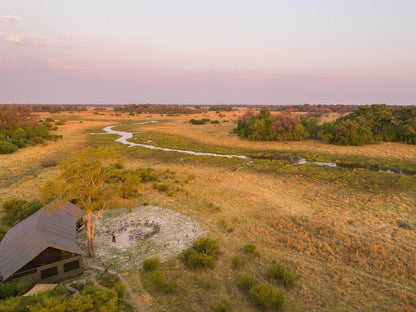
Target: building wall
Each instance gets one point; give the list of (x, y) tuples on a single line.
[(54, 271)]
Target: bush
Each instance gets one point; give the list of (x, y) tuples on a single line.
[(159, 280), (121, 291), (195, 260), (7, 148), (162, 187), (251, 249), (151, 264), (202, 121), (236, 263), (202, 253), (170, 286), (267, 297), (19, 209), (14, 288), (59, 123), (3, 232), (147, 174), (207, 284), (246, 281), (108, 280), (278, 271), (206, 245)]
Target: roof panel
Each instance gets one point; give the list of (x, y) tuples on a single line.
[(54, 225)]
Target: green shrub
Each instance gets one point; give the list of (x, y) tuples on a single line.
[(147, 174), (236, 263), (19, 209), (207, 284), (202, 253), (59, 123), (7, 148), (118, 166), (3, 232), (215, 122), (278, 271), (151, 264), (223, 222), (246, 281), (251, 249), (121, 291), (267, 297), (158, 278), (195, 260), (199, 121), (14, 288), (162, 187), (170, 286), (206, 245), (90, 298), (108, 280)]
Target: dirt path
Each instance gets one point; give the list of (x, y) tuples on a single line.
[(132, 298)]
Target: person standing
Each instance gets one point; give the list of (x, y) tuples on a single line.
[(114, 237)]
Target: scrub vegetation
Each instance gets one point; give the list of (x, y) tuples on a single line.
[(18, 128), (365, 125), (294, 237)]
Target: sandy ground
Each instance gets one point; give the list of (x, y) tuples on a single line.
[(177, 232)]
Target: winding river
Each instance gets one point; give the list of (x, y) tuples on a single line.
[(125, 136)]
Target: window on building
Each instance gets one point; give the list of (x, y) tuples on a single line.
[(71, 266), (49, 272)]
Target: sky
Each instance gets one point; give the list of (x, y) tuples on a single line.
[(208, 52)]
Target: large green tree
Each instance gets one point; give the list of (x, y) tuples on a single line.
[(94, 181)]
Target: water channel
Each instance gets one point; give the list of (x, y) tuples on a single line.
[(125, 136)]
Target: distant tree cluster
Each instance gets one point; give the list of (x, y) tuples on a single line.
[(221, 108), (53, 108), (264, 126), (156, 109), (367, 124), (19, 128), (57, 108), (203, 121), (372, 124)]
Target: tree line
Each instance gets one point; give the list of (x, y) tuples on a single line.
[(18, 128), (156, 109), (365, 125)]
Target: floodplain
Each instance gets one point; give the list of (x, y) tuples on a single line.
[(349, 234)]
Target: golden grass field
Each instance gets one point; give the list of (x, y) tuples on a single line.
[(354, 246)]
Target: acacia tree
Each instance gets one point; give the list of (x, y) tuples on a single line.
[(94, 182)]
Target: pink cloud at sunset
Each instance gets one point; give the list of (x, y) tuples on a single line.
[(9, 20), (202, 52), (25, 39)]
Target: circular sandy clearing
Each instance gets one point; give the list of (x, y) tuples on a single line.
[(177, 232)]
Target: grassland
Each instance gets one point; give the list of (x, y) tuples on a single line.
[(349, 234)]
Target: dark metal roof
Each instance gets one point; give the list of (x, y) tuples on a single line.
[(52, 226)]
